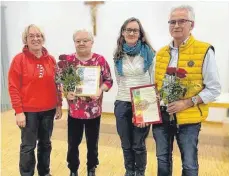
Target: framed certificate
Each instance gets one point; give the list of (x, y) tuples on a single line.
[(145, 104), (89, 77)]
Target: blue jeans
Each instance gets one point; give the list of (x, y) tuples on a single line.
[(187, 140), (132, 138), (39, 127)]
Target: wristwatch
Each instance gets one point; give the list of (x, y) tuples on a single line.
[(194, 100)]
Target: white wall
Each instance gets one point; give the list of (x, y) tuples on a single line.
[(60, 19)]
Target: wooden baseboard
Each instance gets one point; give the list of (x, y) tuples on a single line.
[(111, 114), (213, 122), (108, 113), (64, 110), (219, 105)]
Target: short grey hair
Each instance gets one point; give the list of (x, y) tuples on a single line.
[(83, 30), (26, 32), (189, 8)]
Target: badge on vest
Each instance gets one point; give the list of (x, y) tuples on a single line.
[(191, 63)]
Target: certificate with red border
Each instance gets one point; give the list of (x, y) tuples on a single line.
[(145, 104)]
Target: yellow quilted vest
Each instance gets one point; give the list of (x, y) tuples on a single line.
[(191, 57)]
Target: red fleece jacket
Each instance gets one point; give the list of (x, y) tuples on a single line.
[(31, 82)]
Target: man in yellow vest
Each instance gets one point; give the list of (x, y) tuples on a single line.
[(198, 59)]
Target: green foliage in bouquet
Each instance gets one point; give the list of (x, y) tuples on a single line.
[(66, 74), (172, 89)]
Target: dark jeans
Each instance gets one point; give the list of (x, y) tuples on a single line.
[(39, 126), (75, 135), (187, 140), (132, 138)]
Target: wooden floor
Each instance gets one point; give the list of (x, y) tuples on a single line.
[(213, 150)]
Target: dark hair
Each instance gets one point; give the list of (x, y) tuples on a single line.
[(119, 52)]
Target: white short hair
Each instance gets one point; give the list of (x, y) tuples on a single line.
[(83, 30), (189, 8)]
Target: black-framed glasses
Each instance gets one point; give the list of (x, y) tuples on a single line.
[(129, 30), (180, 22)]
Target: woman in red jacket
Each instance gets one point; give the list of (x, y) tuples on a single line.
[(35, 99)]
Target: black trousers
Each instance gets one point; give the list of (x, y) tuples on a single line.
[(75, 134), (39, 127)]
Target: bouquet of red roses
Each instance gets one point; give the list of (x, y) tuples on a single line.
[(66, 74), (172, 89)]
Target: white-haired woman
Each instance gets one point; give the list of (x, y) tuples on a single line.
[(35, 99), (85, 112)]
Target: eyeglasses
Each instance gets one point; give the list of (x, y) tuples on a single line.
[(180, 22), (129, 30), (84, 41), (32, 36)]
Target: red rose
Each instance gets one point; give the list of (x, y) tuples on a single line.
[(63, 57), (70, 59), (171, 70), (62, 64), (181, 73)]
